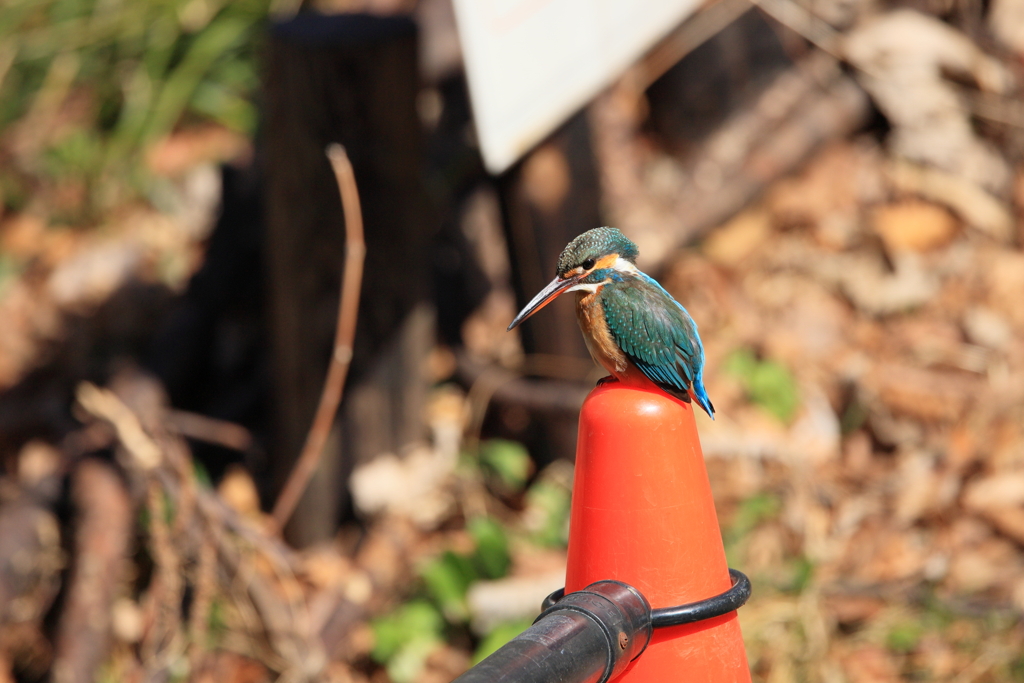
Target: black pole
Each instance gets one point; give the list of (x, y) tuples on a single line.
[(586, 637)]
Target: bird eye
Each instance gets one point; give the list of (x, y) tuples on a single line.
[(588, 264)]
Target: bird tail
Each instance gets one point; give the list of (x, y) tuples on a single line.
[(700, 395)]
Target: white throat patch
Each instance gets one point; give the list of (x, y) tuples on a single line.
[(587, 287), (624, 266)]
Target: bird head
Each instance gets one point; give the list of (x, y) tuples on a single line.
[(585, 264)]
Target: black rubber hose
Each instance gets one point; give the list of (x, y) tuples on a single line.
[(587, 637), (716, 606), (726, 602)]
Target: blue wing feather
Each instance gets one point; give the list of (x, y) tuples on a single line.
[(658, 335)]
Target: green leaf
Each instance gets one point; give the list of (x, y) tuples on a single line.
[(415, 620), (509, 461), (547, 513), (802, 572), (221, 35), (170, 508), (10, 268), (13, 13), (202, 475), (407, 663), (768, 383), (740, 363), (904, 637), (447, 579), (752, 512), (78, 154), (501, 634), (216, 623), (1016, 668), (14, 191), (225, 107), (855, 415), (492, 556), (143, 66)]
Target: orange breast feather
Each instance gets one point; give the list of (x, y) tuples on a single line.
[(605, 352)]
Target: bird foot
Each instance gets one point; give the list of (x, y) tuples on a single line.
[(606, 380)]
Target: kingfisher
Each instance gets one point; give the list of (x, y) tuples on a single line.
[(633, 328)]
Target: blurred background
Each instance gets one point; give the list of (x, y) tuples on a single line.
[(833, 188)]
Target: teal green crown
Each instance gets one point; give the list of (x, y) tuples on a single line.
[(593, 244)]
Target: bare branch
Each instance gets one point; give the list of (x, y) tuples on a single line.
[(348, 309)]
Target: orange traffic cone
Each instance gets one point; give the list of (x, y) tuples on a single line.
[(642, 513)]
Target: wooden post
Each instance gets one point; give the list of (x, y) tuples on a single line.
[(350, 79), (549, 197)]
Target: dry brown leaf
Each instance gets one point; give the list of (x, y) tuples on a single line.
[(857, 451), (37, 460), (1006, 21), (852, 609), (326, 568), (730, 244), (922, 488), (987, 328), (879, 554), (342, 672), (995, 491), (765, 549), (227, 667), (962, 447), (913, 225), (902, 57), (874, 285), (23, 235), (387, 552), (417, 486), (1004, 449), (923, 394), (238, 490), (1017, 594), (988, 564), (827, 196), (1004, 274), (935, 655), (973, 204), (812, 330), (1008, 521), (871, 664), (444, 664), (183, 150)]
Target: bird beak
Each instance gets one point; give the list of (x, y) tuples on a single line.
[(546, 296)]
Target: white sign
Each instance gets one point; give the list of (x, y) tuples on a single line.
[(532, 63)]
